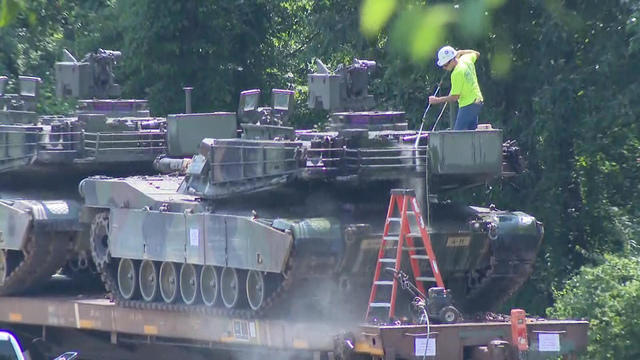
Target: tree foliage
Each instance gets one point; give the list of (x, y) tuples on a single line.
[(609, 296)]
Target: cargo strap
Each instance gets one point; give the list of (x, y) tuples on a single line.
[(404, 230)]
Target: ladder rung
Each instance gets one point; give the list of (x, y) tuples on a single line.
[(382, 282), (387, 305), (387, 260), (420, 257), (391, 238), (410, 212), (414, 235), (425, 278), (393, 219), (414, 248)]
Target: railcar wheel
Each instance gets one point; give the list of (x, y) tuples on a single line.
[(188, 284), (168, 282), (255, 289), (231, 287), (127, 279), (148, 280), (209, 285)]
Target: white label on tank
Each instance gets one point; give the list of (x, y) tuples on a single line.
[(424, 348), (548, 342), (194, 237)]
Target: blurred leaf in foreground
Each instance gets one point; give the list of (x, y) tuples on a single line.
[(9, 9), (374, 14)]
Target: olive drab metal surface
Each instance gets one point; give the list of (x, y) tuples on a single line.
[(18, 134), (266, 123), (186, 131), (233, 166), (344, 89), (466, 152)]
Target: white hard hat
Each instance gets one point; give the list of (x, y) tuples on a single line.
[(445, 54)]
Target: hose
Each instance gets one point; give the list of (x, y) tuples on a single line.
[(426, 348), (426, 110), (439, 116)]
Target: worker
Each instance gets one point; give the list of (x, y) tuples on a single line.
[(464, 85)]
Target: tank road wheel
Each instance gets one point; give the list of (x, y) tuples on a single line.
[(188, 283), (255, 289), (231, 287), (127, 279), (148, 280), (168, 282), (99, 240), (209, 285)]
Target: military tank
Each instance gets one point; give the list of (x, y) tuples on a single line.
[(289, 221), (44, 157)]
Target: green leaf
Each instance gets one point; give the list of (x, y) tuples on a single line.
[(429, 34), (9, 9), (501, 63), (419, 32), (374, 14)]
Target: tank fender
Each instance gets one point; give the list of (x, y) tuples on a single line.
[(20, 217), (519, 237), (105, 192)]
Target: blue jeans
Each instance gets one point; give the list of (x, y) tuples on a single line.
[(467, 118)]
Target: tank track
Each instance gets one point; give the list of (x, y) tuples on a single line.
[(44, 254), (497, 287), (108, 273), (108, 277)]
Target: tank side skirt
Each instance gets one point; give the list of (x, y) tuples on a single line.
[(198, 239), (14, 226)]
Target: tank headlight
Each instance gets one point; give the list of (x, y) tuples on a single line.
[(526, 219)]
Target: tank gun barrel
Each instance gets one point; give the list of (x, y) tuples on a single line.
[(101, 54), (168, 165), (367, 64)]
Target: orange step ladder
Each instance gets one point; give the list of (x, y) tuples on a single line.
[(402, 206)]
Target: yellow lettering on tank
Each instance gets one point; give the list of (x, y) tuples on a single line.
[(86, 324), (150, 330), (458, 241), (319, 224)]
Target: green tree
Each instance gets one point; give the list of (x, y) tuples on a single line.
[(609, 296)]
